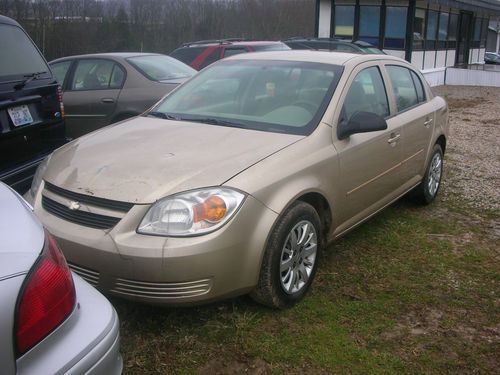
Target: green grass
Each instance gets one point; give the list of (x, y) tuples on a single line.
[(415, 290)]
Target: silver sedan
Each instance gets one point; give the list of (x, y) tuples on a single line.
[(51, 321)]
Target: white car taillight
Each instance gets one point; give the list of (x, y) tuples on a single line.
[(47, 297)]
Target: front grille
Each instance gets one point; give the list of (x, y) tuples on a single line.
[(90, 276), (87, 219), (162, 290), (87, 199)]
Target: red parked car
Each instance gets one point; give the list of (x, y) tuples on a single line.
[(205, 52)]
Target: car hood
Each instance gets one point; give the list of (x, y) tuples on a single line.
[(21, 234), (145, 159)]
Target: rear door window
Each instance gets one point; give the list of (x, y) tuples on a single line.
[(96, 74), (19, 56), (403, 86), (418, 87)]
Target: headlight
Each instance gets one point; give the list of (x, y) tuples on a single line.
[(191, 213), (37, 179)]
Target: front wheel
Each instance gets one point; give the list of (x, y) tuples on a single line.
[(291, 257), (429, 187)]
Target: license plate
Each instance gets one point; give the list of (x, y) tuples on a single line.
[(20, 115)]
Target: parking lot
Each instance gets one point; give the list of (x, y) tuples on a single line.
[(414, 290)]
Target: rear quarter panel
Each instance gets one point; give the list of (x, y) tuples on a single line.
[(9, 290)]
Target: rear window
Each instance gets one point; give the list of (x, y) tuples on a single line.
[(187, 54), (19, 56), (160, 68), (270, 47)]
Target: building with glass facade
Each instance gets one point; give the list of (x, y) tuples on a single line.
[(430, 34)]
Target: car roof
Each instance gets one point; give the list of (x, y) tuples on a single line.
[(117, 55), (8, 21), (230, 42), (325, 57)]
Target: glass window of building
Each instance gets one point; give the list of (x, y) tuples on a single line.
[(344, 20), (369, 24), (484, 32), (430, 35), (452, 31), (443, 29), (395, 27), (419, 29)]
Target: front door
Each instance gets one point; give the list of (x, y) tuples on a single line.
[(369, 162), (91, 95)]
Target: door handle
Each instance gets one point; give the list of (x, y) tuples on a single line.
[(427, 122), (394, 138), (107, 100)]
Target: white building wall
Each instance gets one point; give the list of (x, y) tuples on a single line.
[(435, 77), (450, 57), (417, 59), (481, 55), (472, 77), (430, 57), (397, 53), (325, 12), (440, 59)]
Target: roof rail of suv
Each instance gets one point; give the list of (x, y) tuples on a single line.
[(218, 41)]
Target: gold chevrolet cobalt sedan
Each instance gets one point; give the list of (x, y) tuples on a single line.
[(236, 181)]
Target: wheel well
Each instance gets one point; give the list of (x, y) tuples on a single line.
[(442, 142), (322, 207)]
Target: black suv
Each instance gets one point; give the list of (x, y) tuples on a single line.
[(31, 109), (333, 44)]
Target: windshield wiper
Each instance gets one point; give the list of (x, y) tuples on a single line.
[(163, 115), (213, 121), (28, 79)]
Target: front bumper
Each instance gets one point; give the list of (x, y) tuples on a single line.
[(166, 270)]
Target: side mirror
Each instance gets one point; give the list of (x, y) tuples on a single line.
[(360, 122)]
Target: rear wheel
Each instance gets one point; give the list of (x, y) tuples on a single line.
[(290, 259), (429, 187)]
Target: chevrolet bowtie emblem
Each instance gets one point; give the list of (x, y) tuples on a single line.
[(73, 206)]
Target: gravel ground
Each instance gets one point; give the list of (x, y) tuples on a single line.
[(472, 161)]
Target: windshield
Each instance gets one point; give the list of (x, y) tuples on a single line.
[(278, 96), (19, 56), (161, 68)]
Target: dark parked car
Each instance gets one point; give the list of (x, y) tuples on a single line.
[(31, 110), (103, 88), (333, 44), (492, 58), (205, 52)]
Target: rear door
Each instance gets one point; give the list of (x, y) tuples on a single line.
[(90, 95), (416, 113)]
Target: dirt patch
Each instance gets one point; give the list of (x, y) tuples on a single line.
[(472, 162), (434, 323), (219, 366)]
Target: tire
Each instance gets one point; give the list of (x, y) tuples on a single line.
[(290, 258), (428, 189)]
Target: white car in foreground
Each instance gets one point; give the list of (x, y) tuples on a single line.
[(51, 321)]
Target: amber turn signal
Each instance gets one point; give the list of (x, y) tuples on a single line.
[(213, 209)]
